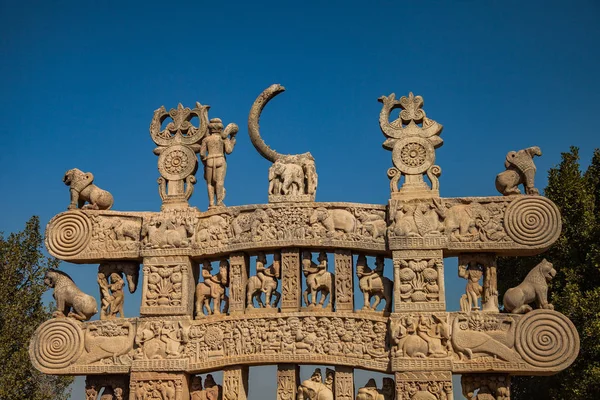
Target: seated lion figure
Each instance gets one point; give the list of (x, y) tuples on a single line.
[(68, 296), (83, 190), (534, 288)]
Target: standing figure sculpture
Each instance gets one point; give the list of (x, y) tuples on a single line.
[(265, 281), (213, 148), (212, 290), (472, 273), (373, 284), (318, 280)]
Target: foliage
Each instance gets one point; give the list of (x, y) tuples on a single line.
[(575, 291), (22, 269)]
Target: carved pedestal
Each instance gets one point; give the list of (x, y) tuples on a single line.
[(168, 286), (418, 280), (344, 281), (288, 379), (291, 285)]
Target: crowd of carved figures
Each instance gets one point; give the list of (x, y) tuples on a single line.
[(274, 283)]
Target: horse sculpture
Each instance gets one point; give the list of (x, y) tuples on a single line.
[(268, 285), (374, 284), (318, 279), (212, 290)]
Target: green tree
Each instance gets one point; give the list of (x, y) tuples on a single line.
[(22, 267), (575, 290)]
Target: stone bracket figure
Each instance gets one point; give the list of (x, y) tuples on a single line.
[(212, 153), (292, 177), (520, 169), (533, 289), (84, 191), (69, 297), (472, 272)]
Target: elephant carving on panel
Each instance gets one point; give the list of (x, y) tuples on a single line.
[(286, 179)]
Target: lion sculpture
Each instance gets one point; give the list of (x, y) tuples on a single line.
[(534, 288), (68, 296), (83, 190), (520, 169)]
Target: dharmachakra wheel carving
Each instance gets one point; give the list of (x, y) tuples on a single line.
[(533, 221), (177, 162), (547, 339), (58, 343), (413, 155), (69, 234)]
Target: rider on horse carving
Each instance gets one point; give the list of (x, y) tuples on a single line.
[(363, 270)]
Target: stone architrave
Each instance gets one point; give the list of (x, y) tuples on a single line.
[(419, 280), (424, 385), (343, 383), (344, 281), (291, 285), (288, 379), (235, 383), (238, 278), (168, 286)]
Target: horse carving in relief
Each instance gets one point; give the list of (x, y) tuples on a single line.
[(265, 281), (319, 282), (211, 292), (373, 284)]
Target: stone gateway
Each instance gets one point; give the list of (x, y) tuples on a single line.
[(203, 310)]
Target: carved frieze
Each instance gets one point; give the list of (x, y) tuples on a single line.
[(159, 386), (436, 385)]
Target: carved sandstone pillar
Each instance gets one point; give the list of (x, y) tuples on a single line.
[(344, 281), (235, 383), (418, 280), (174, 385), (238, 278), (344, 383), (417, 385), (291, 286), (173, 272), (288, 379)]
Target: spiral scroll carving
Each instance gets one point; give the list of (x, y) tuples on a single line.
[(547, 339), (69, 234), (533, 221), (58, 343)]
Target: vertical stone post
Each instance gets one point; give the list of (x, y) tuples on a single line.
[(344, 281), (438, 383), (419, 280), (344, 383), (235, 383), (288, 379), (175, 271), (291, 286), (238, 278)]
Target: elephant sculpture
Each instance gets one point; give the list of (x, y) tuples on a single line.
[(463, 220), (290, 174), (286, 179), (315, 389), (520, 169), (370, 391), (333, 220)]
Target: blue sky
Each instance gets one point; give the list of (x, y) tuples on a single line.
[(79, 82)]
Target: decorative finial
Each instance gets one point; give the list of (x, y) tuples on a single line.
[(412, 138)]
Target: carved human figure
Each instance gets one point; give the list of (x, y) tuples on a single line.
[(265, 281), (421, 336), (318, 279), (520, 169), (213, 148), (212, 289), (69, 297), (116, 297), (533, 289), (373, 284), (472, 272)]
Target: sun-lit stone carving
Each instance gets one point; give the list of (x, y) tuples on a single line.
[(194, 320)]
